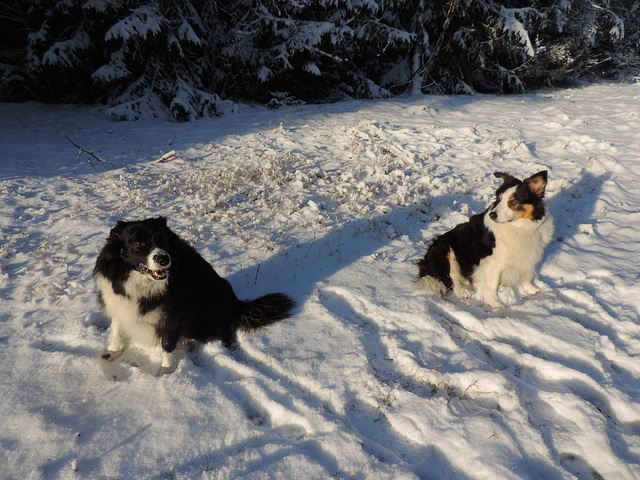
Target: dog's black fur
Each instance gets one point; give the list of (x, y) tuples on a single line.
[(151, 276), (471, 241)]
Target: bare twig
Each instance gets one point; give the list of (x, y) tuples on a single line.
[(167, 156), (83, 150), (466, 389)]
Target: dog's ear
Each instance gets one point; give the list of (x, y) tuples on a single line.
[(506, 178), (161, 221), (508, 181), (537, 183), (117, 230)]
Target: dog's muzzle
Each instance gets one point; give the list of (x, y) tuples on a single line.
[(494, 217), (157, 264)]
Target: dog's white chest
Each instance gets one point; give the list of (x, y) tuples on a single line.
[(125, 309), (519, 248)]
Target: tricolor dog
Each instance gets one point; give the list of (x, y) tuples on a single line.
[(501, 246)]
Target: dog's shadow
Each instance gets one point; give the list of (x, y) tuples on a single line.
[(298, 269), (574, 207)]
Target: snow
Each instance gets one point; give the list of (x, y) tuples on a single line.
[(333, 205)]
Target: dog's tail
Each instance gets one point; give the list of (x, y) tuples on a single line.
[(265, 310), (429, 284)]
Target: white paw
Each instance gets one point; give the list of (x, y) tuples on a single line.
[(530, 288), (167, 360), (463, 291), (494, 303), (490, 299), (111, 355)]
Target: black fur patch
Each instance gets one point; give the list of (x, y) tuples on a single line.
[(470, 242)]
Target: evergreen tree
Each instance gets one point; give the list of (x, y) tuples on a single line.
[(139, 57), (508, 46), (53, 58), (144, 57), (156, 57)]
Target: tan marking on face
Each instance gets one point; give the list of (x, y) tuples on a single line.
[(520, 210), (528, 211)]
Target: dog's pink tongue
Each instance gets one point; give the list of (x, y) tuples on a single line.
[(159, 274)]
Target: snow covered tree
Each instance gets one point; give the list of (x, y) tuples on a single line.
[(139, 57), (156, 58), (54, 59), (145, 57), (13, 40), (309, 50), (507, 46)]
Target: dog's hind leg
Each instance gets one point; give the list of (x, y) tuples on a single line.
[(461, 285), (229, 337)]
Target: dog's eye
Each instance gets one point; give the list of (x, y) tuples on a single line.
[(512, 203), (138, 244)]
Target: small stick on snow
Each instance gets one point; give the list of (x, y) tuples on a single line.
[(167, 156), (81, 150)]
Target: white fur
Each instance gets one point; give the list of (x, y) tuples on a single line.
[(519, 247), (127, 324), (461, 285)]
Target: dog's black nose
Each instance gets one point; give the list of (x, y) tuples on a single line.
[(493, 215), (162, 259)]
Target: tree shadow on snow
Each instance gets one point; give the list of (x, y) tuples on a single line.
[(366, 423), (298, 271)]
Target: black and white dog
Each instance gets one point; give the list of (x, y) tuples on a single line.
[(157, 289), (500, 246)]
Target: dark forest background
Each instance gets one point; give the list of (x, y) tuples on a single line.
[(142, 57)]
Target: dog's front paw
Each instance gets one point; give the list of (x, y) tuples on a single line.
[(490, 299), (169, 362), (111, 355), (165, 370), (463, 291), (493, 302), (530, 289)]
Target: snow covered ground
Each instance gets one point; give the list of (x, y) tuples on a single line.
[(334, 205)]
